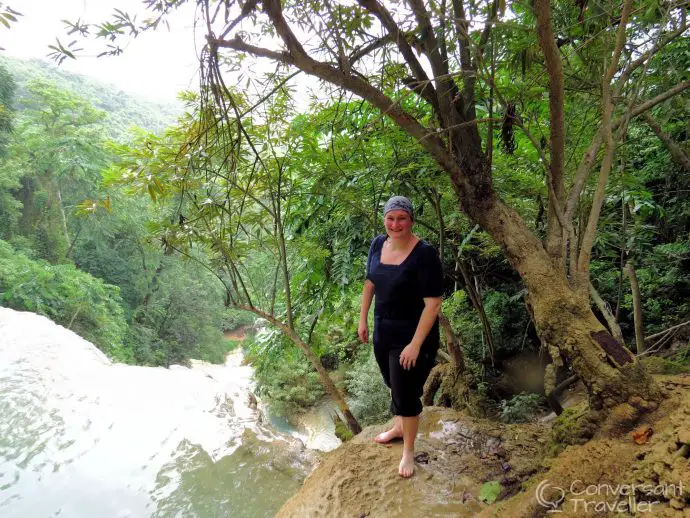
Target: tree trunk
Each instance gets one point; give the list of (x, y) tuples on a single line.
[(614, 328), (677, 153), (562, 315), (63, 217), (68, 255), (26, 196), (330, 387), (637, 307), (457, 360), (476, 300)]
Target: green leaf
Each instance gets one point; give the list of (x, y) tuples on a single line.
[(490, 491)]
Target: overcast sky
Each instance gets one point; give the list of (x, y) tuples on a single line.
[(156, 66)]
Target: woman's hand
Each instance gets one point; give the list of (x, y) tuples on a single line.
[(363, 332), (408, 356)]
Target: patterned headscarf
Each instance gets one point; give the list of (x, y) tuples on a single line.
[(398, 203)]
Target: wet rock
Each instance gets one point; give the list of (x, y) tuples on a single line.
[(422, 458)]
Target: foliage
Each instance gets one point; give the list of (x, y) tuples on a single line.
[(54, 158), (70, 297), (370, 397), (282, 373), (173, 309), (521, 408), (181, 319), (9, 179), (7, 16), (7, 94), (507, 316), (233, 318)]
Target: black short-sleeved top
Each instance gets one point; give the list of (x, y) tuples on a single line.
[(400, 289)]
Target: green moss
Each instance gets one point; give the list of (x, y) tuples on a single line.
[(342, 432), (568, 428), (656, 365)]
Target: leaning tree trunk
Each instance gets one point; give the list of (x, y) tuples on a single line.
[(452, 384), (326, 381), (330, 387), (563, 316)]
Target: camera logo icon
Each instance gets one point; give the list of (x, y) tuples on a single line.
[(550, 496)]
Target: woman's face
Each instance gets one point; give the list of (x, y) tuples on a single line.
[(398, 223)]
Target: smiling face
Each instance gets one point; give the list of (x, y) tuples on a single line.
[(398, 224)]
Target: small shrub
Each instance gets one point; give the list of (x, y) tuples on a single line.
[(370, 397), (521, 408)]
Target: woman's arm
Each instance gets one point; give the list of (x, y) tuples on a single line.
[(432, 306), (367, 297)]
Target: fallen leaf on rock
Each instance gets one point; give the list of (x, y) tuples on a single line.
[(490, 491), (641, 435)]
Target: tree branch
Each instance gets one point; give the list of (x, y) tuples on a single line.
[(606, 312), (680, 156), (446, 89), (298, 57), (625, 75), (607, 133), (238, 44), (554, 69), (463, 36), (588, 159), (391, 26), (376, 44), (651, 103)]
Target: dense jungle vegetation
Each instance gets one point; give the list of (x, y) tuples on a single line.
[(82, 255), (254, 202)]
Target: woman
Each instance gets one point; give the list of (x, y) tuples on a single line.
[(405, 274)]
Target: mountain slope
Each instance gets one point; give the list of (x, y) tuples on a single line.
[(123, 109)]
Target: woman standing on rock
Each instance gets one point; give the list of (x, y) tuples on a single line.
[(405, 274)]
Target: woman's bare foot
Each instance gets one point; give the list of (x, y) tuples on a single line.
[(406, 468), (385, 437)]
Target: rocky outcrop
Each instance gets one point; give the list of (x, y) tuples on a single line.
[(456, 455)]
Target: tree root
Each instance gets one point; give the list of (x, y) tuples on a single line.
[(445, 388)]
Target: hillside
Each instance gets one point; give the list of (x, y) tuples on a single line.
[(123, 109)]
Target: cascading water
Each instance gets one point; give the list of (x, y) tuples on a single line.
[(82, 437)]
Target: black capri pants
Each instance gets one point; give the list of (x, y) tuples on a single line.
[(407, 386)]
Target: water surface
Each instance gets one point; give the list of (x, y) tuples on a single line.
[(82, 437)]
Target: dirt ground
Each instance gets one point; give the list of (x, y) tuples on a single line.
[(237, 334), (609, 475)]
